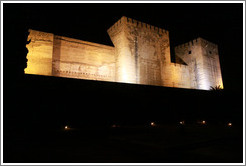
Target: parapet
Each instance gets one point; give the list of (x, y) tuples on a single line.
[(40, 36), (125, 20), (208, 43), (197, 41)]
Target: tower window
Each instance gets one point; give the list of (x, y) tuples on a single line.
[(189, 52)]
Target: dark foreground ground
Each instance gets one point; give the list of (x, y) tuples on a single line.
[(136, 144), (37, 108)]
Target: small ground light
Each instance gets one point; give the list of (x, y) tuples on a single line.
[(229, 124), (66, 128), (152, 123), (181, 122), (203, 122)]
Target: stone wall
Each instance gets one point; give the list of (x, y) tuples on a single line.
[(141, 55), (141, 51), (85, 60), (211, 64), (39, 57), (66, 57), (203, 60), (176, 75)]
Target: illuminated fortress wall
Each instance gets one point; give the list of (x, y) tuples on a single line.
[(39, 53), (141, 55), (85, 60), (141, 51), (203, 60), (176, 75), (66, 57)]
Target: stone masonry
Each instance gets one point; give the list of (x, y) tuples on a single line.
[(141, 55)]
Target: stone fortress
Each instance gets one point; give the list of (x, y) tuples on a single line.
[(141, 55)]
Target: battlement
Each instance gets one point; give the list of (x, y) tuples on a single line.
[(140, 55), (208, 43), (197, 41), (189, 44), (125, 20), (35, 35)]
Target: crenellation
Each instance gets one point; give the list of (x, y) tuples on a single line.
[(188, 44), (192, 43), (141, 55), (135, 22), (152, 28), (148, 26), (143, 25), (210, 44)]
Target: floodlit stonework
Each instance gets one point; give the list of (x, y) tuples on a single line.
[(141, 55)]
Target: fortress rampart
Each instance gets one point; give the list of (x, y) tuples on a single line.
[(141, 55), (66, 57), (138, 24)]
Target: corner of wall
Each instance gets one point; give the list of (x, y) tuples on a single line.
[(40, 51)]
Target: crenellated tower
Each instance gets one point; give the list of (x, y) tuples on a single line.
[(141, 51), (202, 57)]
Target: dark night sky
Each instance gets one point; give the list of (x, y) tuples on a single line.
[(218, 23)]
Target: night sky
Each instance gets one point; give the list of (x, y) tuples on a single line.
[(219, 23)]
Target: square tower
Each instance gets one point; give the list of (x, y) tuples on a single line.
[(202, 58), (141, 51)]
